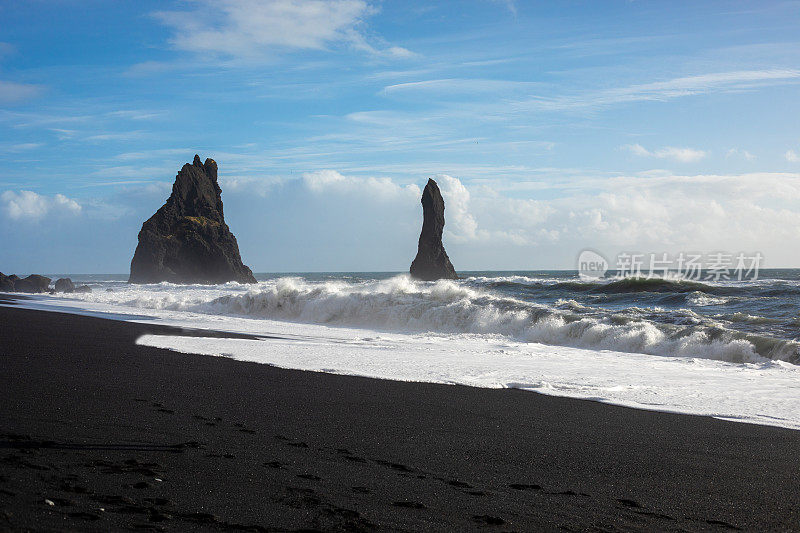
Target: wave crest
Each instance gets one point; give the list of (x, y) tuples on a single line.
[(403, 305)]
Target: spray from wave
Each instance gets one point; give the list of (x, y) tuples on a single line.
[(403, 305)]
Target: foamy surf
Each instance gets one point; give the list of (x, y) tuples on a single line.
[(400, 304), (633, 343)]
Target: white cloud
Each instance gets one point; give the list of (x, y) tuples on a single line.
[(738, 152), (380, 188), (656, 213), (399, 52), (63, 134), (669, 89), (120, 136), (460, 222), (747, 211), (740, 79), (252, 29), (460, 85), (248, 185), (637, 149), (461, 225), (67, 204), (11, 92), (792, 156), (28, 205), (160, 153), (21, 147), (25, 204), (138, 172), (136, 114), (683, 155), (750, 211)]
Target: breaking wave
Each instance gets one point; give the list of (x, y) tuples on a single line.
[(610, 287), (403, 305)]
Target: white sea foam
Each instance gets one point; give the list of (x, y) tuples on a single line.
[(764, 393), (700, 299), (400, 304), (519, 279), (572, 305)]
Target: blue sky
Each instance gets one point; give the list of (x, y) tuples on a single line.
[(550, 126)]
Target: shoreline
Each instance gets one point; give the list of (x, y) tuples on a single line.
[(91, 421)]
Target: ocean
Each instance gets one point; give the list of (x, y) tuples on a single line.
[(729, 349)]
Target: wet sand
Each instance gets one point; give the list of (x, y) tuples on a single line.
[(98, 434)]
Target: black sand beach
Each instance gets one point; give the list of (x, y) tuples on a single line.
[(99, 434)]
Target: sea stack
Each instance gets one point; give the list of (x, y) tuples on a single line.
[(187, 240), (432, 262)]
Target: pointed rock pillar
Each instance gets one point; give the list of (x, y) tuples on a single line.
[(432, 262)]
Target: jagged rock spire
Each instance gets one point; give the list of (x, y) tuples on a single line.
[(187, 240)]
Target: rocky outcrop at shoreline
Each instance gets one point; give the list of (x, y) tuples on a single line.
[(432, 262), (187, 239), (37, 284), (64, 285), (33, 283)]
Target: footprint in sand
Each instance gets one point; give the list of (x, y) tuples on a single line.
[(525, 486), (348, 456), (489, 520), (394, 466)]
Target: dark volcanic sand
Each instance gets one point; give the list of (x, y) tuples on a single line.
[(163, 440)]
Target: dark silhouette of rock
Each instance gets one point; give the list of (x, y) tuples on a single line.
[(64, 285), (33, 283), (83, 288), (6, 283), (432, 262), (187, 240)]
